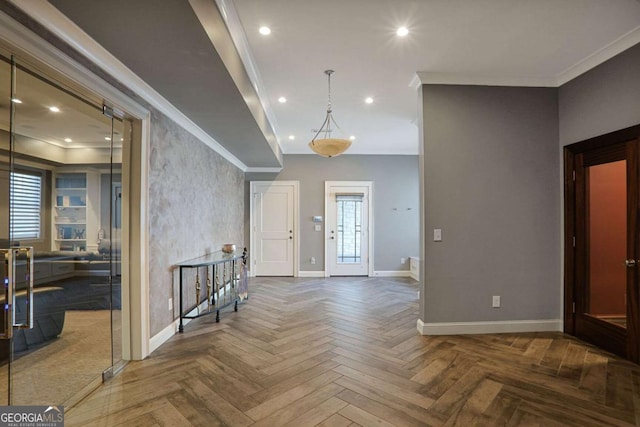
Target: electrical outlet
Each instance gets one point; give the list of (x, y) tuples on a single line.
[(495, 303), (313, 260), (170, 304), (403, 261)]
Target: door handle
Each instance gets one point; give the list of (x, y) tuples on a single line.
[(11, 256), (630, 263), (7, 332), (28, 251)]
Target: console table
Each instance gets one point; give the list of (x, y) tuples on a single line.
[(217, 280)]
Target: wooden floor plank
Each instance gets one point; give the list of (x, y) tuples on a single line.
[(301, 406), (364, 418), (346, 352)]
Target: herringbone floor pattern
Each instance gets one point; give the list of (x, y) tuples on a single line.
[(345, 352)]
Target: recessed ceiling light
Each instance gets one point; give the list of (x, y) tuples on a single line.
[(402, 31), (54, 109), (16, 100), (292, 137), (106, 138), (282, 100), (265, 31), (352, 137), (368, 100), (68, 140)]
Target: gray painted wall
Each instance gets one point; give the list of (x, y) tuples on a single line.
[(196, 204), (395, 193), (603, 100), (491, 183)]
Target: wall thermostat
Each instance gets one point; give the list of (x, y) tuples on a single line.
[(317, 219)]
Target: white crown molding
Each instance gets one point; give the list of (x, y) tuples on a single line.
[(509, 326), (601, 55), (415, 82), (233, 49), (234, 25), (52, 19), (427, 77), (263, 170), (612, 49), (24, 39)]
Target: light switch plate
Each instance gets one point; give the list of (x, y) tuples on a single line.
[(317, 227), (437, 235)]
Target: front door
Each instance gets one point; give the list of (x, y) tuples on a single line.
[(606, 247), (273, 227), (55, 145), (347, 207)]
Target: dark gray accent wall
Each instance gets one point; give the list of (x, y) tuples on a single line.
[(492, 184), (395, 209), (603, 100)]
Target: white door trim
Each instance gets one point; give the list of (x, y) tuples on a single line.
[(327, 193), (296, 223)]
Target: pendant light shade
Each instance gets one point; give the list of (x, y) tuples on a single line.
[(322, 143)]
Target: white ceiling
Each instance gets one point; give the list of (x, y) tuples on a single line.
[(540, 41), (175, 47)]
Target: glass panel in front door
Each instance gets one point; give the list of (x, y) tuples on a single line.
[(349, 228), (607, 242)]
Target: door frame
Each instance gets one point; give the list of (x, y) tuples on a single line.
[(571, 247), (327, 194), (296, 223)]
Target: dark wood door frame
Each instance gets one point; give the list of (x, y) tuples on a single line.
[(592, 151)]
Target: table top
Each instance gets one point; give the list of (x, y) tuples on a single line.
[(211, 258)]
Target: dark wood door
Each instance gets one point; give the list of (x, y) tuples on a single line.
[(606, 258)]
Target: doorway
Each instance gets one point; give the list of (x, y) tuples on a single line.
[(602, 204), (62, 326), (274, 228), (349, 221)]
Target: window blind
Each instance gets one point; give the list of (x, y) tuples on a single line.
[(26, 205)]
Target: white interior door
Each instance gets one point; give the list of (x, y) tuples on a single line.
[(348, 224), (273, 228)]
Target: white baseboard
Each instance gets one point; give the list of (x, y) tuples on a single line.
[(164, 335), (508, 326), (396, 273), (311, 274)]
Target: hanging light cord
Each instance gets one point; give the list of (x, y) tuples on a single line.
[(329, 118)]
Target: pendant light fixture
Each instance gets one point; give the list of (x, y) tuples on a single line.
[(322, 143)]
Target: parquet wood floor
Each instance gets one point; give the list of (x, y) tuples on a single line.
[(346, 352)]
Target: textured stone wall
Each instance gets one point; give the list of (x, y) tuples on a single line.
[(196, 204)]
